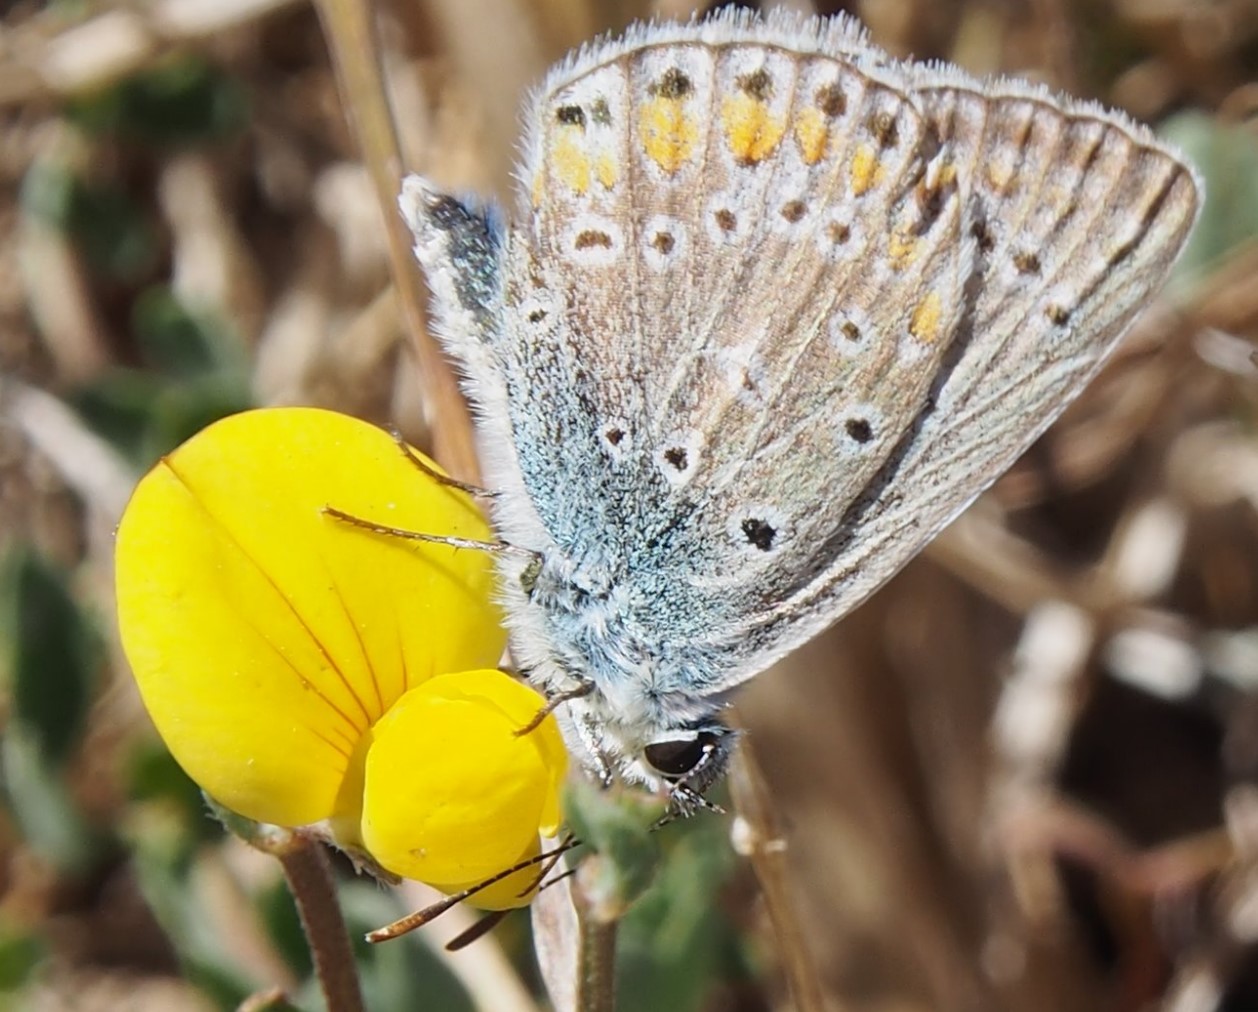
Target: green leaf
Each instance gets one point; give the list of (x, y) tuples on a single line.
[(166, 869), (197, 372), (617, 827), (41, 806), (676, 944), (182, 101), (178, 342), (144, 416), (153, 777), (673, 941), (20, 956), (51, 657), (115, 235), (1227, 158)]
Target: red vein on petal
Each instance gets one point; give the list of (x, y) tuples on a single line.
[(349, 617), (406, 671), (351, 740), (401, 652), (332, 745), (266, 576)]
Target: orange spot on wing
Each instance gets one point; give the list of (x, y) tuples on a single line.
[(669, 132), (866, 170), (811, 133), (607, 170), (902, 248), (924, 324), (570, 160), (752, 130)]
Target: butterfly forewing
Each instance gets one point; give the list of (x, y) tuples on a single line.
[(824, 201)]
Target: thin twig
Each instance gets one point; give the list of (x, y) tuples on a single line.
[(351, 37), (262, 1001), (764, 848), (309, 875)]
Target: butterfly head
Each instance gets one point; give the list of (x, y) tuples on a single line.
[(681, 762), (688, 762)]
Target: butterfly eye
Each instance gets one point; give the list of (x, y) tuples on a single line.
[(675, 758)]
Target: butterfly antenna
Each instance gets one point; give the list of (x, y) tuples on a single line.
[(492, 919), (495, 917), (548, 866), (478, 930), (419, 918)]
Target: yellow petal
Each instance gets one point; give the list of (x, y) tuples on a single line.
[(267, 637), (520, 704), (453, 794), (515, 890)]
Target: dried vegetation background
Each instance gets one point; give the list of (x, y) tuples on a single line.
[(1024, 776)]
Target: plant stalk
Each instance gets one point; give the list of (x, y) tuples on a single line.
[(309, 873)]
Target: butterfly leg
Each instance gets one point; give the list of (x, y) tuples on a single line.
[(583, 688), (423, 466), (592, 742)]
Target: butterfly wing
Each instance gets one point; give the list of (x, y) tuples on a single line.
[(694, 299), (778, 308)]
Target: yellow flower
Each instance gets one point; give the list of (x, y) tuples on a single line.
[(303, 670), (420, 828)]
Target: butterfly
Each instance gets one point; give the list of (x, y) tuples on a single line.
[(772, 309)]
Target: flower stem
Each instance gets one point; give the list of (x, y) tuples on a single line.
[(596, 958), (309, 874)]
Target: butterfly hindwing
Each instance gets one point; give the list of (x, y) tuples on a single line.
[(1078, 215)]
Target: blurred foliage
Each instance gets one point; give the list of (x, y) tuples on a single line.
[(396, 974), (679, 938), (49, 671), (193, 372), (1227, 157), (181, 101), (618, 829), (19, 955), (118, 239), (51, 657)]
